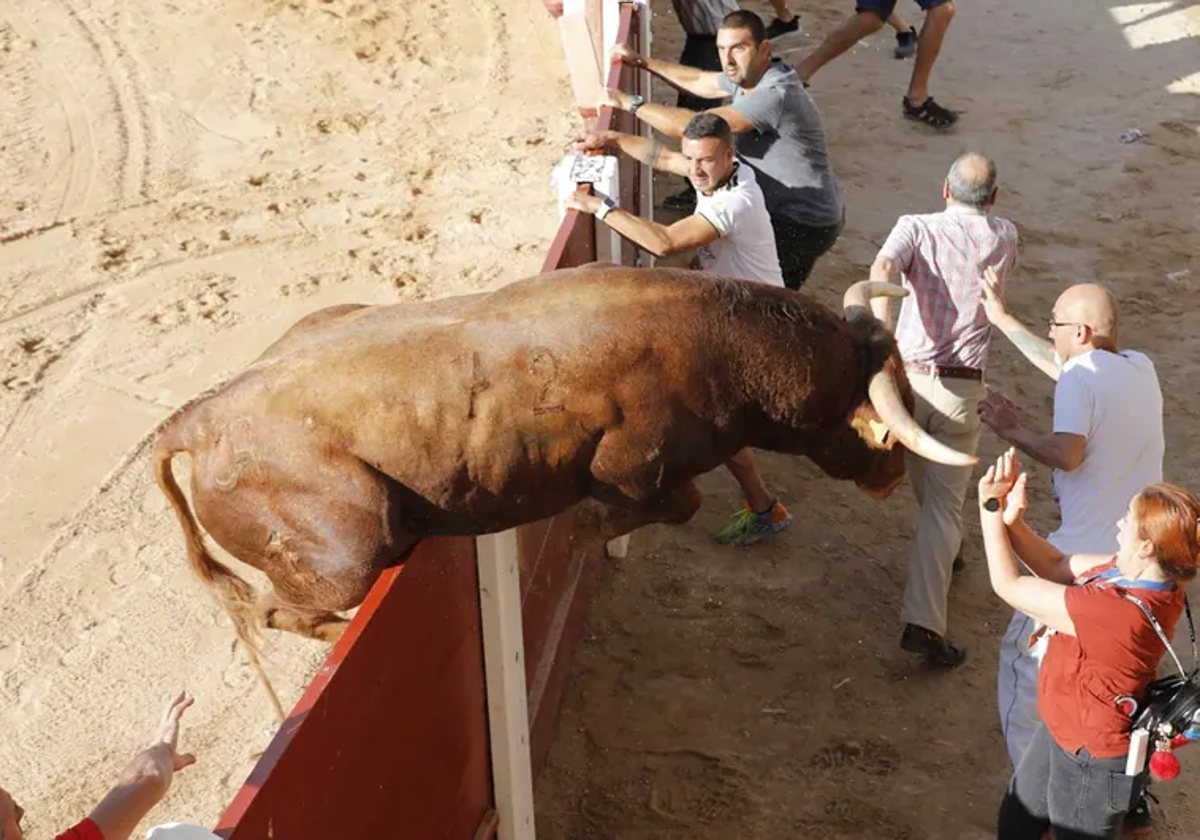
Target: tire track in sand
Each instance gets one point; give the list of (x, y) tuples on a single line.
[(91, 74)]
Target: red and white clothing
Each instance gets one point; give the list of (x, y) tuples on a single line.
[(941, 258), (84, 830), (1114, 653)]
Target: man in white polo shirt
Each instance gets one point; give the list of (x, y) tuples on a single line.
[(731, 233)]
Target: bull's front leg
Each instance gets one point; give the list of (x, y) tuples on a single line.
[(597, 522)]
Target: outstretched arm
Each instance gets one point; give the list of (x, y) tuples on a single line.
[(643, 149), (1039, 351), (1042, 598), (146, 779), (1061, 450), (704, 84), (687, 233)]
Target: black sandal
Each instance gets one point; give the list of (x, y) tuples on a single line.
[(930, 113)]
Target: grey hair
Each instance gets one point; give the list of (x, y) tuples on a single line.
[(967, 182)]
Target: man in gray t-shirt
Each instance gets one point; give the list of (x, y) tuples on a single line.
[(779, 133)]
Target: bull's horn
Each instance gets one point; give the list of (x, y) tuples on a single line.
[(885, 397), (884, 394), (856, 302)]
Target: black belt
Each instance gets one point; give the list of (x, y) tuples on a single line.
[(945, 371)]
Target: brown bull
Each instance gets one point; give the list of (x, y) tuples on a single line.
[(365, 428)]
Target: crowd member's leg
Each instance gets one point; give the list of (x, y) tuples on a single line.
[(867, 19), (785, 23), (1025, 809), (948, 410), (762, 515), (918, 104), (1016, 684), (906, 36), (800, 246), (699, 51), (1088, 797)]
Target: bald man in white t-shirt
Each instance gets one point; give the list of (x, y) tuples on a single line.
[(731, 233), (1106, 446)]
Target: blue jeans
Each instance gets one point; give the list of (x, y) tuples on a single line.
[(1076, 795)]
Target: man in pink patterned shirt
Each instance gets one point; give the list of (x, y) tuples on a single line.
[(943, 334)]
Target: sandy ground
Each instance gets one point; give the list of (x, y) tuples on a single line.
[(762, 693), (179, 182)]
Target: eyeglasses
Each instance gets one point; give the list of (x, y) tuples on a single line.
[(1055, 324)]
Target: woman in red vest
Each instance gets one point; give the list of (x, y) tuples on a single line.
[(1107, 616)]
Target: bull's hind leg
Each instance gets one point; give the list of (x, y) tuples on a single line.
[(322, 529), (313, 624)]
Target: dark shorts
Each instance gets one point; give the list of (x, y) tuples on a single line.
[(884, 8), (699, 51), (799, 246)]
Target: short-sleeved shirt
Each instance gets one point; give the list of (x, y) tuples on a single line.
[(787, 147), (85, 830), (746, 247), (1114, 401), (941, 258), (1114, 653), (702, 17)]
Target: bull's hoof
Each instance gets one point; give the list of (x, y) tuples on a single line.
[(617, 548)]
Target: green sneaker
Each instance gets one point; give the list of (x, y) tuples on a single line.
[(749, 527)]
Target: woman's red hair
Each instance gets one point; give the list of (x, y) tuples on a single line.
[(1169, 517)]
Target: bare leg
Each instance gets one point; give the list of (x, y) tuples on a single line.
[(898, 23), (933, 32), (753, 487), (838, 41)]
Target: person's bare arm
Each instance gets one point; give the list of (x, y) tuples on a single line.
[(1060, 450), (146, 779), (1042, 597), (687, 233), (704, 84), (883, 270), (649, 151), (1039, 351), (668, 119), (1055, 449)]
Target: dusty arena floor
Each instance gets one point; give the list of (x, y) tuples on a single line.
[(727, 693), (179, 182)]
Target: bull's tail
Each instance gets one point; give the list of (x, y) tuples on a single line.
[(234, 594)]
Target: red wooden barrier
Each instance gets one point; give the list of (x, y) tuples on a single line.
[(390, 739)]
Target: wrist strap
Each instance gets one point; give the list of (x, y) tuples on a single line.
[(606, 207)]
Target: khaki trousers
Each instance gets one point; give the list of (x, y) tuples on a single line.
[(947, 409)]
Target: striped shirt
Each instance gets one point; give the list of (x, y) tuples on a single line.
[(702, 17), (941, 258)]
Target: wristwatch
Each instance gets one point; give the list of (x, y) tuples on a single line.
[(606, 206), (637, 102), (992, 505)]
